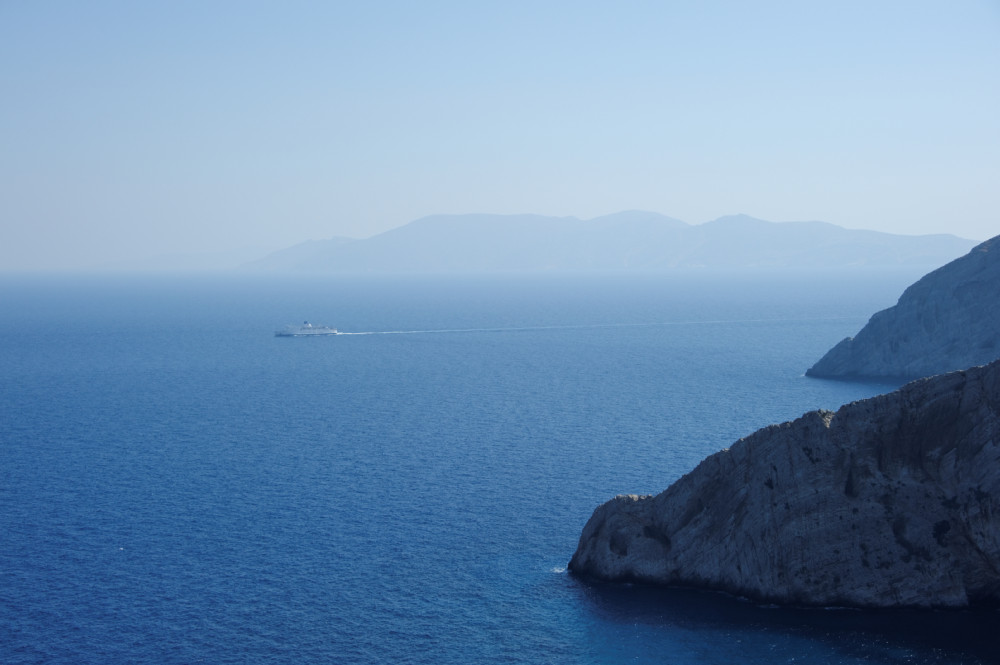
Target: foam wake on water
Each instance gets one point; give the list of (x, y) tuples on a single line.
[(592, 326)]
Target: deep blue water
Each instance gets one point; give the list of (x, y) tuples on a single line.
[(177, 485)]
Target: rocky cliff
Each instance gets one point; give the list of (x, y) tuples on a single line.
[(948, 320), (892, 501)]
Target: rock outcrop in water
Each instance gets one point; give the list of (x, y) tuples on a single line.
[(948, 320), (892, 501)]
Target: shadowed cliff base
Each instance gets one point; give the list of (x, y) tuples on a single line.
[(892, 501), (754, 633)]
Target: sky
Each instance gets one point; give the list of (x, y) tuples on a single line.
[(134, 129)]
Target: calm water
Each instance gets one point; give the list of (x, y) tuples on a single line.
[(177, 485)]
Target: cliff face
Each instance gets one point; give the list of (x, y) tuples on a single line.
[(889, 502), (948, 320)]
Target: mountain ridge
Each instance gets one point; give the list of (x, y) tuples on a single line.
[(628, 241)]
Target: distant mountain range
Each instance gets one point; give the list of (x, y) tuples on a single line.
[(632, 241)]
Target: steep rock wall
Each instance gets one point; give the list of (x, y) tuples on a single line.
[(948, 320), (889, 502)]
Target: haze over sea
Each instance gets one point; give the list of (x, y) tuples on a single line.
[(178, 485)]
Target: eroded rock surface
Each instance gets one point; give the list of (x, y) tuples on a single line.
[(890, 501), (947, 320)]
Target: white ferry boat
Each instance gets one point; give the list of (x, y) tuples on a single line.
[(305, 330)]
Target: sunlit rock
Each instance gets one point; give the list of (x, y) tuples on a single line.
[(948, 320)]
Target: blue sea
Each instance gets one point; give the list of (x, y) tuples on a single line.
[(178, 485)]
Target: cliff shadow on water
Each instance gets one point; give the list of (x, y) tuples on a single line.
[(742, 631)]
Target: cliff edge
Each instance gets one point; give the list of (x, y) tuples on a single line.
[(892, 501), (948, 320)]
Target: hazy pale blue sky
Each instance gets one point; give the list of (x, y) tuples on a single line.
[(135, 128)]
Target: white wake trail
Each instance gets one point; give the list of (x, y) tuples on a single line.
[(593, 326)]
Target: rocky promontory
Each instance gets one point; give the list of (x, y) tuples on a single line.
[(948, 320), (892, 501)]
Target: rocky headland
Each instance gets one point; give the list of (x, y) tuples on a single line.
[(948, 320), (892, 501)]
